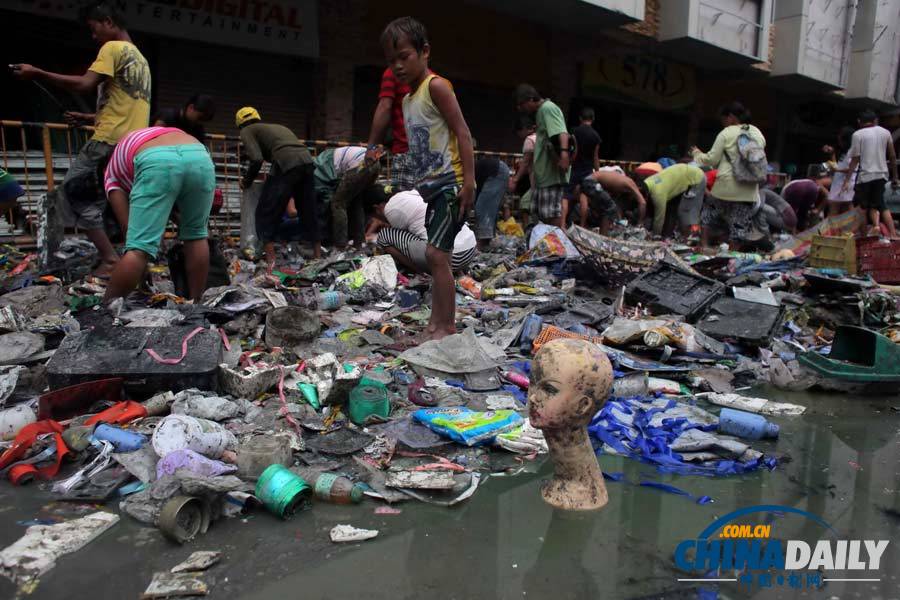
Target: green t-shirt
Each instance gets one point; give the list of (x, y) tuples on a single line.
[(550, 122)]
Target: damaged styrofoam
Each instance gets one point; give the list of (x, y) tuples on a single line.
[(36, 552), (349, 533), (332, 381), (249, 382), (197, 561), (756, 405), (9, 378)]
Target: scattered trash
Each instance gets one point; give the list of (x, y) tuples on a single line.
[(197, 561), (171, 585), (282, 492), (746, 425), (348, 533), (466, 426), (756, 405), (183, 518), (36, 552)]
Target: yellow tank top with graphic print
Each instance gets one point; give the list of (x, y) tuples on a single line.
[(433, 148)]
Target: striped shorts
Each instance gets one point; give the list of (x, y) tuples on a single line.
[(413, 247)]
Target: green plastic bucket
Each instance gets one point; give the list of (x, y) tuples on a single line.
[(281, 491), (369, 398)]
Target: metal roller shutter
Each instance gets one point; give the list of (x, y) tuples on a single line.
[(280, 87)]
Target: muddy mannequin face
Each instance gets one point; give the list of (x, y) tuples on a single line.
[(571, 380)]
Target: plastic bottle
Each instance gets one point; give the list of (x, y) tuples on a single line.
[(530, 330), (517, 379), (122, 440), (332, 488), (746, 425), (469, 286), (330, 300)]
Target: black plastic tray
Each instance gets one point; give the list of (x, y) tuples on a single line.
[(667, 289), (121, 352)]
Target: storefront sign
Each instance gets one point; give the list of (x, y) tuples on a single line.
[(278, 26), (653, 81)]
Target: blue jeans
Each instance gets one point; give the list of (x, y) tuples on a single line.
[(487, 205)]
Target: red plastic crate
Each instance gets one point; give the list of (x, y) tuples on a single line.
[(879, 258)]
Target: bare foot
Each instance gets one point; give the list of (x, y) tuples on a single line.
[(440, 334)]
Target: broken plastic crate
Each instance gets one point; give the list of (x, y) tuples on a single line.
[(122, 352), (858, 355), (829, 252), (666, 289), (879, 258)]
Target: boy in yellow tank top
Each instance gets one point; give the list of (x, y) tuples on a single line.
[(440, 156)]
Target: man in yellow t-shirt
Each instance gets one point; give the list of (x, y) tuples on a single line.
[(681, 183), (121, 77)]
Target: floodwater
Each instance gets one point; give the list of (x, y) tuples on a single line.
[(506, 543)]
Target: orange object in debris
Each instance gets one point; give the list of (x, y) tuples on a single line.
[(550, 333), (119, 414), (470, 286)]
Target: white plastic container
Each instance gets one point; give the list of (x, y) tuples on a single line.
[(177, 432), (12, 420)]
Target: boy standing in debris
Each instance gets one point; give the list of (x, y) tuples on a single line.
[(121, 76), (440, 155), (552, 154)]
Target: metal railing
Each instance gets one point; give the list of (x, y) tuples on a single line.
[(39, 154)]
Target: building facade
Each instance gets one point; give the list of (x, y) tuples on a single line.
[(655, 71)]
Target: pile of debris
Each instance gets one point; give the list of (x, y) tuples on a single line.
[(306, 384)]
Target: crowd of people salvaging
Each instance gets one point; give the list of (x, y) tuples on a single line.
[(419, 214)]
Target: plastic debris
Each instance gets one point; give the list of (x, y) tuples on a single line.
[(349, 533), (37, 551), (171, 585), (467, 426), (756, 405), (198, 561)]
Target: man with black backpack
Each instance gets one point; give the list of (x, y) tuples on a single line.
[(739, 155)]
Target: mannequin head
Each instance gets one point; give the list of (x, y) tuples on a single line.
[(571, 380)]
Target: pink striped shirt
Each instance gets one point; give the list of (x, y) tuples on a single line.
[(120, 170)]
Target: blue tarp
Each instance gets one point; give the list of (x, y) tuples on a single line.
[(629, 427)]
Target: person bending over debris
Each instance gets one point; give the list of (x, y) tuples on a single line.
[(682, 187), (402, 234), (150, 171), (341, 177), (291, 174), (616, 184)]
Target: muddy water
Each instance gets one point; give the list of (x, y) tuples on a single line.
[(505, 543)]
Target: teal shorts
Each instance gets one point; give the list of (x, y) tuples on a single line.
[(167, 176)]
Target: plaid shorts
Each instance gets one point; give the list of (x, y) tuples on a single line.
[(736, 217), (600, 200), (402, 176), (83, 184), (546, 202)]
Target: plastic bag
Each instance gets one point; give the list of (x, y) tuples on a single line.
[(510, 227), (467, 426)]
